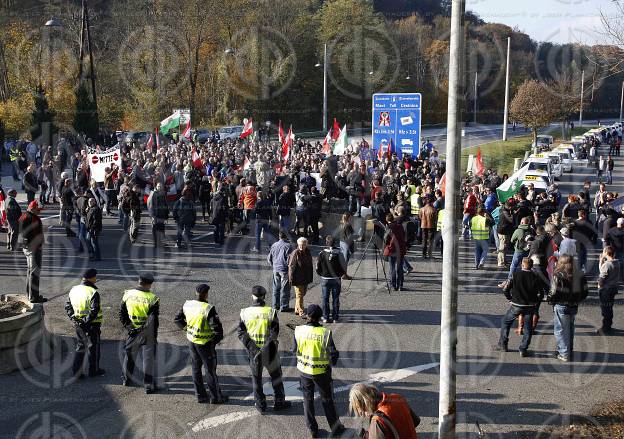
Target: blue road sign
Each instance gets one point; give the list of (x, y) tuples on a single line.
[(397, 116)]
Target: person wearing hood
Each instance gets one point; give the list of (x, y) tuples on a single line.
[(219, 214)]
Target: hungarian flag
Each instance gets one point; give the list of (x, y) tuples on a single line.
[(287, 145), (187, 130), (150, 142), (247, 128), (335, 130), (246, 164), (327, 143), (280, 133), (340, 147), (170, 123), (197, 162), (477, 165)]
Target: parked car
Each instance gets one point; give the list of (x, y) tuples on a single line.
[(232, 132)]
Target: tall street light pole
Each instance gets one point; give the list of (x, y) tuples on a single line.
[(582, 93), (622, 102), (325, 88), (506, 112), (476, 92), (447, 409)]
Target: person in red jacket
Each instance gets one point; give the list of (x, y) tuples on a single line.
[(470, 210), (389, 414)]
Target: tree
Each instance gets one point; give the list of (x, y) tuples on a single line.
[(85, 119), (532, 107), (42, 121)]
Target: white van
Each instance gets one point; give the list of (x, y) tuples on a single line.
[(539, 166), (556, 167)]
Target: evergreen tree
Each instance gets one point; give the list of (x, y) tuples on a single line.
[(42, 121), (86, 118)]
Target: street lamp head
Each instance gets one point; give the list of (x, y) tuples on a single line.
[(53, 22), (408, 77), (229, 51), (318, 64), (371, 73)]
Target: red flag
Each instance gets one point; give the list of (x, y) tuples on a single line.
[(280, 133), (150, 142), (390, 148), (287, 145), (187, 129), (326, 143), (480, 169), (247, 128), (197, 162), (335, 130)]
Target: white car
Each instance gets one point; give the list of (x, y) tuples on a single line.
[(556, 167), (540, 167), (570, 147), (540, 184)]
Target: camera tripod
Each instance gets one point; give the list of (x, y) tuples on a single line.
[(377, 257)]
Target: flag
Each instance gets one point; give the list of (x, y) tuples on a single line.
[(287, 145), (3, 212), (327, 143), (246, 164), (157, 139), (150, 142), (335, 130), (512, 185), (197, 162), (280, 133), (187, 130), (170, 123), (340, 147), (247, 128), (477, 165)]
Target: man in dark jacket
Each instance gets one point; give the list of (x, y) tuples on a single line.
[(219, 214), (315, 204), (159, 211), (94, 229), (263, 212), (185, 216), (31, 231), (13, 214), (504, 230), (331, 267), (31, 185), (285, 205), (523, 293), (395, 249), (84, 308), (585, 234)]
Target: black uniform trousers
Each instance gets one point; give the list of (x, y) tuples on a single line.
[(134, 343), (205, 355), (271, 360), (324, 383), (87, 341)]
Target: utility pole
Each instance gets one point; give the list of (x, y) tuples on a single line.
[(476, 91), (325, 89), (582, 93), (506, 112), (622, 102), (447, 409)]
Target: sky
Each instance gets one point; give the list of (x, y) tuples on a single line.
[(556, 21)]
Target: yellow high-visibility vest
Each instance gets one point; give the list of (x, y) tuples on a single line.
[(479, 228), (198, 330), (440, 220), (414, 202), (257, 320), (312, 349), (80, 298), (138, 304)]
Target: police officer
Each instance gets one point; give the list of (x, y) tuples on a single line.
[(138, 313), (203, 331), (258, 331), (316, 353), (85, 310)]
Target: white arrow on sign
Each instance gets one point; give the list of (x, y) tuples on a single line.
[(291, 388)]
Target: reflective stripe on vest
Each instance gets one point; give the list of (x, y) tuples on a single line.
[(312, 349), (80, 298), (440, 220), (138, 304), (198, 330), (479, 229), (414, 199), (257, 320)]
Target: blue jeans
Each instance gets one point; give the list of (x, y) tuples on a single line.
[(406, 266), (125, 220), (395, 267), (184, 231), (467, 233), (582, 256), (281, 290), (512, 314), (564, 328), (94, 246), (219, 233), (516, 261), (284, 222), (261, 225), (331, 286), (607, 297), (82, 234), (481, 247)]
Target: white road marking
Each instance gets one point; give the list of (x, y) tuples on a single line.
[(291, 389), (197, 238)]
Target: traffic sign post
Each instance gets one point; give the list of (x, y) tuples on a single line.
[(397, 117)]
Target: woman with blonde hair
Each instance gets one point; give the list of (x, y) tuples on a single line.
[(390, 415)]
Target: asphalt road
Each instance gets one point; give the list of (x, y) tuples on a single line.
[(390, 339)]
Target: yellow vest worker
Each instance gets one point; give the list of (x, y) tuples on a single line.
[(316, 354), (258, 330), (415, 202), (138, 313), (480, 227), (85, 310), (203, 331)]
